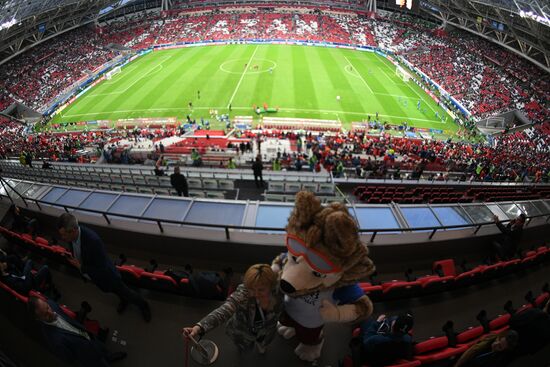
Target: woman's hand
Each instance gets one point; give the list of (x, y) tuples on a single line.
[(191, 331)]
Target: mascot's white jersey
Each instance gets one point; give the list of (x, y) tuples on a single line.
[(305, 309)]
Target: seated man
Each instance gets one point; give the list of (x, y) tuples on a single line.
[(18, 222), (23, 281), (67, 338), (386, 339), (533, 328), (491, 350)]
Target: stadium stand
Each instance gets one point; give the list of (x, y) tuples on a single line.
[(484, 78)]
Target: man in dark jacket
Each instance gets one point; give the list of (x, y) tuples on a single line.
[(90, 258), (533, 327), (508, 246), (386, 339), (67, 338), (257, 168), (179, 182)]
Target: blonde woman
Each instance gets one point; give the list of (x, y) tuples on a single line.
[(251, 312)]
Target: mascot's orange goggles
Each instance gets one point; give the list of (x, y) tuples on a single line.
[(318, 261)]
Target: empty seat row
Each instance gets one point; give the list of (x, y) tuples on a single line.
[(142, 184), (448, 278), (376, 194), (210, 183)]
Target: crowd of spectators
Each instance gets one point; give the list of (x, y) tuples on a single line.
[(508, 158), (15, 140), (39, 75)]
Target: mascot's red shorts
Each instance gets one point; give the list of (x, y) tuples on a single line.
[(305, 335)]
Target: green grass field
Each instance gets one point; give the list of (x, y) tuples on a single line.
[(304, 82)]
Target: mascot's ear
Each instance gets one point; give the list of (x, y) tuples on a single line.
[(305, 208), (341, 234)]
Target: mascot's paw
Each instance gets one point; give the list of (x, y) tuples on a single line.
[(329, 311), (309, 353), (286, 332)]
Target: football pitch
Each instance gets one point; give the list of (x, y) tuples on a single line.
[(300, 81)]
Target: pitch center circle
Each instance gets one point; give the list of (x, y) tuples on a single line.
[(256, 66)]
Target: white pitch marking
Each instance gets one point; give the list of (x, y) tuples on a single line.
[(242, 76), (415, 92), (358, 74), (128, 69), (147, 74), (250, 108), (350, 72)]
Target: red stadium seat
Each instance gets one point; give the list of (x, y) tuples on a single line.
[(542, 299), (399, 288), (499, 323), (158, 281), (373, 291), (447, 266), (470, 336), (130, 273), (42, 241), (469, 277), (434, 283), (436, 349)]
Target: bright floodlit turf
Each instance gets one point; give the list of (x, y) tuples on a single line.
[(302, 81)]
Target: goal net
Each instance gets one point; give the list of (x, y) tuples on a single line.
[(113, 72), (402, 74)]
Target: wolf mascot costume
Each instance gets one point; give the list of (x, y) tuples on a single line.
[(319, 272)]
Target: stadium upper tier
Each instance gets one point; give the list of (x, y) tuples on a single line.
[(484, 78)]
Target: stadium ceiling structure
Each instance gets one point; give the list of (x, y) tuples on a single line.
[(24, 23), (522, 26)]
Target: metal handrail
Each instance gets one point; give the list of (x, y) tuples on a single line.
[(274, 174), (227, 227)]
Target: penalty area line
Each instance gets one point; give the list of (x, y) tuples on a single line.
[(359, 74)]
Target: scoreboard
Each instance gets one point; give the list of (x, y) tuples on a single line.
[(411, 5)]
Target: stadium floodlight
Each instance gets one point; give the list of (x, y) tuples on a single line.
[(8, 24), (404, 3), (533, 10)]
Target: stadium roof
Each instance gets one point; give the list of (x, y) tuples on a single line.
[(519, 25), (26, 22), (522, 26)]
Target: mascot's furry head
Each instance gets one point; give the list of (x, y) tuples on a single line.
[(324, 249)]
